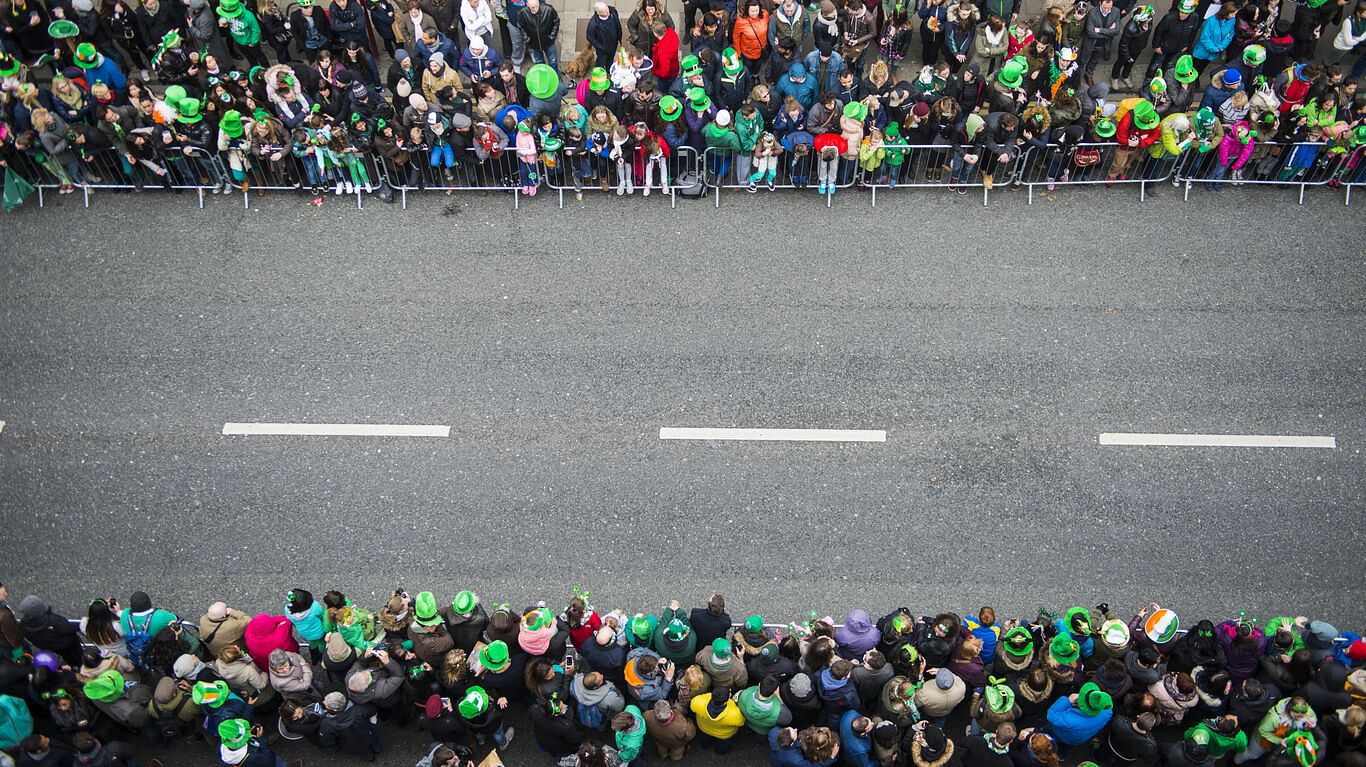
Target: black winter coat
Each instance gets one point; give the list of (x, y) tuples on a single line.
[(350, 731)]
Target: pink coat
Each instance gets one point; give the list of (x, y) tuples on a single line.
[(266, 633), (1234, 154)]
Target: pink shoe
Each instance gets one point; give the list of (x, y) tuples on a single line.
[(531, 191)]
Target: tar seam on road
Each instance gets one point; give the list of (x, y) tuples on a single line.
[(337, 429), (782, 435), (1215, 440)]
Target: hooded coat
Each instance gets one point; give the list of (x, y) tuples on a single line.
[(267, 633), (47, 630), (857, 636), (350, 730)]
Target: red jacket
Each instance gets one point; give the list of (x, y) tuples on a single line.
[(1126, 129), (751, 36), (665, 55), (835, 140), (268, 632)]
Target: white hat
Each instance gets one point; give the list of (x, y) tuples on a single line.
[(723, 117), (476, 42)]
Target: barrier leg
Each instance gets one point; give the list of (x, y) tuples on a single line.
[(405, 198), (516, 199), (1348, 201), (874, 188), (1030, 187), (1302, 194), (246, 201), (200, 191), (1186, 196), (986, 193), (85, 193)]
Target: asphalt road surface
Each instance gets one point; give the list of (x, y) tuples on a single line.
[(992, 345)]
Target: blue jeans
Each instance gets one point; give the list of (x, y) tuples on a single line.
[(549, 56), (443, 155)]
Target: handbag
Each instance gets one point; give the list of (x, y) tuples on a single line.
[(1084, 158)]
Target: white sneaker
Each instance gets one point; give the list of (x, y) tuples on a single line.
[(146, 75), (509, 733), (621, 189), (369, 188), (350, 188), (339, 189), (630, 187), (646, 191)]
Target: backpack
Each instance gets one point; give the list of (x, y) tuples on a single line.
[(690, 185), (138, 639), (167, 723), (589, 716)]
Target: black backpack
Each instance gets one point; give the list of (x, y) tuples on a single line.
[(168, 725)]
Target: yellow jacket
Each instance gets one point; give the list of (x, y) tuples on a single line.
[(724, 726)]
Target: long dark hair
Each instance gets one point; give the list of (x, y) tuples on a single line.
[(99, 623)]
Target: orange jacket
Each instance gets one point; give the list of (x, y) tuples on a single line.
[(751, 36)]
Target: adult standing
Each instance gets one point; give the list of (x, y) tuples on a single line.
[(478, 18), (1102, 27), (1216, 35), (604, 31), (640, 27), (751, 36), (349, 23), (1173, 38), (540, 25)]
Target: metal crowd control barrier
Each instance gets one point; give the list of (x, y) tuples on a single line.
[(196, 169), (494, 174), (931, 166), (559, 176), (104, 169), (793, 173), (1073, 165), (1302, 164), (39, 175), (1353, 172)]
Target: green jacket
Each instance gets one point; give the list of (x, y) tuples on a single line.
[(760, 715), (630, 741), (159, 620), (725, 140), (749, 130), (1219, 743), (16, 723), (244, 29)]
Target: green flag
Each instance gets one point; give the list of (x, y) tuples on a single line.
[(16, 190)]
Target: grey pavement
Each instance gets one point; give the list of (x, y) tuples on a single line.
[(993, 345)]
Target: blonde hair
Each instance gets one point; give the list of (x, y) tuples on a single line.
[(230, 654)]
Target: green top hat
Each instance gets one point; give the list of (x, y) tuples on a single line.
[(541, 81), (170, 39), (86, 56), (1186, 6), (856, 110), (1064, 650), (105, 688), (1012, 74), (698, 99), (691, 66), (231, 123), (230, 9), (424, 610), (61, 29), (475, 702), (597, 80), (1185, 70), (1105, 128), (670, 109), (464, 602), (494, 656), (1254, 55), (9, 65), (188, 111), (234, 733), (1092, 700), (730, 62), (1145, 115)]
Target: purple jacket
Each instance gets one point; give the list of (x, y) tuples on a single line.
[(857, 636)]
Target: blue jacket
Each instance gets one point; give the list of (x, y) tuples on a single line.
[(108, 73), (791, 756), (1215, 36), (482, 67), (856, 749), (1215, 97), (989, 636), (833, 67), (1073, 728), (805, 92)]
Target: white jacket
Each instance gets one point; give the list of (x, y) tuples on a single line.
[(478, 21), (1346, 41)]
